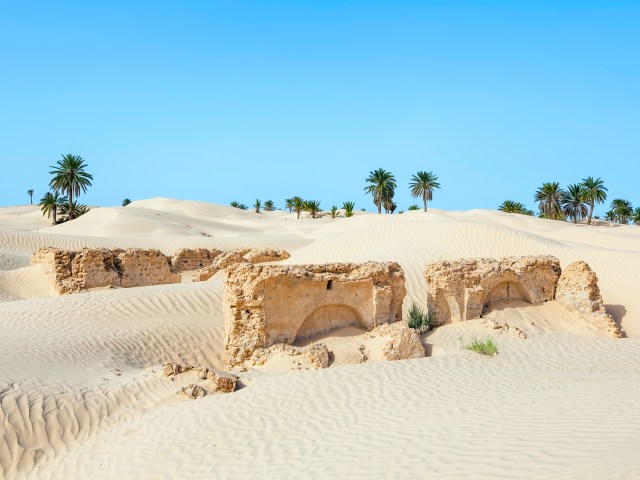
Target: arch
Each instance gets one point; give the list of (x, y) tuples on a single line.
[(505, 291), (329, 317)]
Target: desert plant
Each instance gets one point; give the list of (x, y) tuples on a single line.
[(418, 319), (413, 208), (382, 188), (288, 203), (400, 212), (269, 206), (50, 203), (549, 197), (635, 218), (298, 205), (257, 205), (126, 202), (509, 206), (313, 207), (239, 205), (70, 178), (68, 214), (486, 347), (348, 208), (622, 210), (334, 211), (573, 204), (594, 192), (422, 185), (610, 216), (30, 193)]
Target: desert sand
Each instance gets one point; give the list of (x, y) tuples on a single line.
[(82, 396)]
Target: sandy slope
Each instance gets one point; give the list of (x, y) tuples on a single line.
[(80, 394)]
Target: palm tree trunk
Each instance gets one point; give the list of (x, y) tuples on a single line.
[(379, 205), (55, 212), (590, 212), (424, 200), (70, 216)]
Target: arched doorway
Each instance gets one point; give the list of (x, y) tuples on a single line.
[(329, 317)]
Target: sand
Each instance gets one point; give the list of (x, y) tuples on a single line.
[(81, 393)]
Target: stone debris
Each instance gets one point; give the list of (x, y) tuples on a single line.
[(317, 354), (192, 391), (404, 342), (214, 381), (579, 293), (503, 327), (269, 304)]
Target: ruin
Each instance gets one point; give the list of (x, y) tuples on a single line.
[(75, 271), (269, 304), (465, 289), (71, 272), (579, 293)]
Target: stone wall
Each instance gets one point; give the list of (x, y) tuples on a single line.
[(463, 289), (241, 255), (579, 293), (269, 304), (189, 259), (70, 271)]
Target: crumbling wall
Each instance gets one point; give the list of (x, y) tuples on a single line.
[(240, 255), (189, 259), (464, 289), (71, 272), (579, 293), (268, 304)]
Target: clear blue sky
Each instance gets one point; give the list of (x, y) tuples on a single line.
[(238, 100)]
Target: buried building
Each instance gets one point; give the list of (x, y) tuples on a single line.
[(269, 304), (466, 289)]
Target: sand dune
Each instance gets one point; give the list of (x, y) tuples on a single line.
[(81, 395)]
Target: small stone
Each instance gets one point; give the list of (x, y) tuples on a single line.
[(222, 381), (192, 391), (318, 354)]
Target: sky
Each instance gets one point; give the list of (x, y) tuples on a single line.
[(236, 100)]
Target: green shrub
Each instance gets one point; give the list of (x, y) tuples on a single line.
[(413, 207), (486, 347), (348, 208), (418, 319)]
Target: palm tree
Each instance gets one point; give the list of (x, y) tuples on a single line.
[(126, 202), (348, 208), (288, 203), (257, 205), (610, 216), (422, 185), (635, 218), (549, 198), (573, 203), (595, 192), (622, 210), (389, 205), (30, 193), (269, 206), (383, 185), (334, 211), (509, 206), (239, 205), (313, 207), (78, 210), (50, 203), (298, 205), (70, 177)]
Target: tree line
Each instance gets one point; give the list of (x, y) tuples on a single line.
[(575, 203)]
